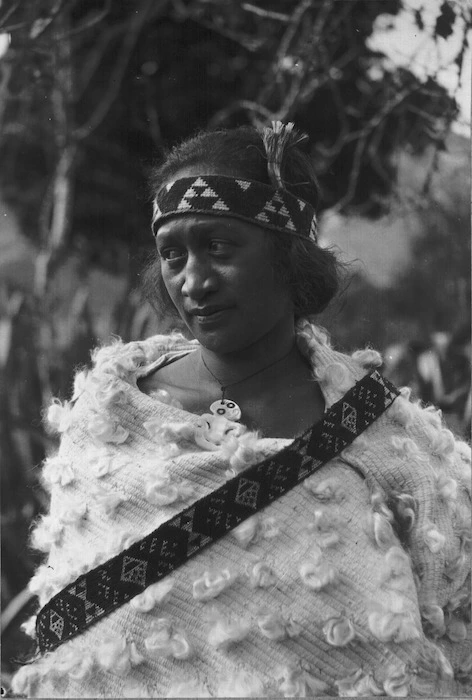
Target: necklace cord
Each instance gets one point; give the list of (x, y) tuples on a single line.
[(250, 376)]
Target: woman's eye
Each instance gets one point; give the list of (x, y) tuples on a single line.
[(217, 246), (171, 254)]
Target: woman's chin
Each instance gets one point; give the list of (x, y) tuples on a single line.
[(216, 342)]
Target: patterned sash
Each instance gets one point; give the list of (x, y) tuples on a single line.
[(102, 590)]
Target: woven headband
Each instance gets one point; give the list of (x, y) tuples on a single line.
[(216, 195)]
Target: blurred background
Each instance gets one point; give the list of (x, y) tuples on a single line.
[(91, 91)]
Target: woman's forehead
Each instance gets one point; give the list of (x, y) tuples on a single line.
[(203, 224)]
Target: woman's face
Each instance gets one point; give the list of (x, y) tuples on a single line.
[(218, 273)]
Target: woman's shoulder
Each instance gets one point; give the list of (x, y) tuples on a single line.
[(127, 361), (407, 428), (132, 356), (112, 375), (336, 371)]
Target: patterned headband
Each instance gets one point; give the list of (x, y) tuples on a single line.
[(251, 201)]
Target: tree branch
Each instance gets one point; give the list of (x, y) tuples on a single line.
[(120, 67), (99, 17), (93, 60), (246, 105), (266, 14), (8, 14)]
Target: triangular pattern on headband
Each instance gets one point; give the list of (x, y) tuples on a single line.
[(251, 201), (276, 209)]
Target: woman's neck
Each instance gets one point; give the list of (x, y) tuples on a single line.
[(231, 367), (271, 384)]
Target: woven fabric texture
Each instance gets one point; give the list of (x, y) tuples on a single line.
[(217, 195), (154, 557), (354, 583)]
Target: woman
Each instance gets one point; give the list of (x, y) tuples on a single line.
[(250, 512)]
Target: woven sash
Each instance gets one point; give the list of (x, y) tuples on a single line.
[(104, 589)]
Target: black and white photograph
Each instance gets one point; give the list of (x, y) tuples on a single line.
[(235, 348)]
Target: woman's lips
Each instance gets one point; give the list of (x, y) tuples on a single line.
[(209, 317)]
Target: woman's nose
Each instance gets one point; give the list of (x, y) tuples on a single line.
[(199, 278)]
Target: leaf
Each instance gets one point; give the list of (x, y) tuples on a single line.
[(39, 26), (445, 21)]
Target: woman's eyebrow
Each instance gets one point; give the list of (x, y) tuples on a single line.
[(163, 236), (198, 229)]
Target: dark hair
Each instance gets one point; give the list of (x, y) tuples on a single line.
[(311, 273)]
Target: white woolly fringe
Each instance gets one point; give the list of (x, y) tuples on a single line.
[(101, 461), (165, 641), (324, 520), (377, 499), (433, 539), (433, 620), (105, 429), (277, 627), (71, 511), (59, 416), (336, 375), (402, 411), (380, 530), (247, 531), (169, 432), (117, 541), (311, 336), (339, 631), (358, 685), (456, 629), (255, 528), (447, 488), (108, 501), (29, 627), (47, 533), (367, 358), (226, 632), (156, 594), (240, 684), (119, 656), (57, 470), (107, 390), (328, 490), (397, 563), (398, 683), (406, 508), (391, 621), (161, 490), (25, 679), (261, 575), (408, 449), (78, 666), (212, 583), (297, 681), (317, 574)]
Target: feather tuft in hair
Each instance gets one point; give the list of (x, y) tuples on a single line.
[(276, 139)]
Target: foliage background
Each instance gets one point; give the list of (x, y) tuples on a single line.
[(92, 91)]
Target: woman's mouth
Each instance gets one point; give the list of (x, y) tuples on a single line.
[(209, 315)]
